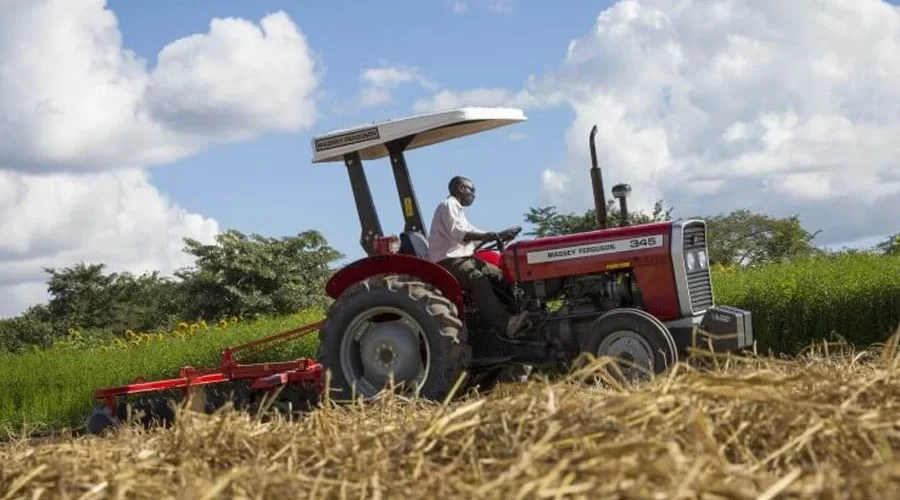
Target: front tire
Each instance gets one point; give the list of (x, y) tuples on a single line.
[(393, 325), (641, 345)]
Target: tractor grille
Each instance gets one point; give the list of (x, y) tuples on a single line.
[(699, 284)]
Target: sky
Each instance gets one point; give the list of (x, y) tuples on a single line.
[(127, 126)]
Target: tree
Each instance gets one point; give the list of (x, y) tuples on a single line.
[(20, 332), (79, 295), (751, 239), (890, 246), (241, 274), (548, 222), (83, 296)]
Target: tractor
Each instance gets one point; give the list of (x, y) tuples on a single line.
[(639, 294)]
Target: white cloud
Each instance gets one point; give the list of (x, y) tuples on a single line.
[(117, 218), (498, 6), (458, 6), (81, 117), (379, 83), (236, 81), (788, 108), (496, 96), (72, 98)]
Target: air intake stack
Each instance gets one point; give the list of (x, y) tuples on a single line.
[(622, 191)]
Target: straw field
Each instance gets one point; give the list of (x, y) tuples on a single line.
[(822, 425)]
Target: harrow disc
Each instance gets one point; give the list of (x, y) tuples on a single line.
[(149, 412), (292, 401), (100, 420)]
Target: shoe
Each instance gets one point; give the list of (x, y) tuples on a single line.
[(517, 324)]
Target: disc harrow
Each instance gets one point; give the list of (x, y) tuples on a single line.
[(289, 387)]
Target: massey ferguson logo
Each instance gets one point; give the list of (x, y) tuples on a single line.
[(347, 139), (593, 249)]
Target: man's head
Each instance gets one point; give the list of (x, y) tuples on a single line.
[(463, 190)]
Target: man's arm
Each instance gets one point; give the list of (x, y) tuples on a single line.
[(460, 228), (479, 236)]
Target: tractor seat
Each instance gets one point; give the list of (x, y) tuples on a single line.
[(414, 243)]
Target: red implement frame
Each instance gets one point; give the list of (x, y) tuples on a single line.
[(263, 375)]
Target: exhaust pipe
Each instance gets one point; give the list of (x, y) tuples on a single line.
[(597, 183)]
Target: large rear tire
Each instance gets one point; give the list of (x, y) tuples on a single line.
[(641, 345), (393, 325)]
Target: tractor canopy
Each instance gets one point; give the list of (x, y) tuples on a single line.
[(393, 138), (371, 141)]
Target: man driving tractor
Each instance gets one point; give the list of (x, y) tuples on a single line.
[(452, 241)]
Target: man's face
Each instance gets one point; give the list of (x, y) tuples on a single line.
[(465, 193)]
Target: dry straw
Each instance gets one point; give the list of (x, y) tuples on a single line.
[(824, 425)]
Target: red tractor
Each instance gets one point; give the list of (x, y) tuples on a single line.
[(638, 294), (634, 293)]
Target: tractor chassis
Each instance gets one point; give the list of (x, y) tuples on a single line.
[(556, 337)]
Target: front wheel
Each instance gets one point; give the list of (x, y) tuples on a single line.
[(640, 344), (393, 329)]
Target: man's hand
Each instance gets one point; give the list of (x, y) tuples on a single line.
[(510, 233)]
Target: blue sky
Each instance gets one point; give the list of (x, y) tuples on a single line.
[(269, 185)]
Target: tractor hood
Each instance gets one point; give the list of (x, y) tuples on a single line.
[(422, 130)]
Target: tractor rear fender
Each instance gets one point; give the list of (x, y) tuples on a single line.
[(397, 264)]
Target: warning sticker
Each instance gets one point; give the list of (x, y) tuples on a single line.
[(591, 249)]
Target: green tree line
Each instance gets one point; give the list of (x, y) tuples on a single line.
[(242, 275), (236, 276)]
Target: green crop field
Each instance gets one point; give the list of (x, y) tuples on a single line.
[(855, 296)]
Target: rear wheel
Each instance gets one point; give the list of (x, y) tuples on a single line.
[(639, 343), (393, 328)]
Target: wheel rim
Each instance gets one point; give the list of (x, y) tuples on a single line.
[(633, 350), (381, 341)]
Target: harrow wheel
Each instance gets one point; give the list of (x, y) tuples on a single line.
[(393, 328), (641, 345)]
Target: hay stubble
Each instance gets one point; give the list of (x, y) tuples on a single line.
[(827, 427)]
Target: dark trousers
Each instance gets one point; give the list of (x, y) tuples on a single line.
[(475, 276)]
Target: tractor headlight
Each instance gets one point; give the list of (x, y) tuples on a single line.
[(690, 261), (701, 259)]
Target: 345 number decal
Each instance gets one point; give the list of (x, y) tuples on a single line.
[(649, 241)]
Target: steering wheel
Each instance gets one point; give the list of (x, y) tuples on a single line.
[(498, 244)]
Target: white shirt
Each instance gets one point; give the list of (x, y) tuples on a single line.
[(448, 226)]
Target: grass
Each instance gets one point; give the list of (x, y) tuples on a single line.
[(53, 388), (814, 427), (852, 297)]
